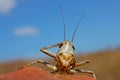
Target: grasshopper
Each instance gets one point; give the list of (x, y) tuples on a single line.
[(65, 56)]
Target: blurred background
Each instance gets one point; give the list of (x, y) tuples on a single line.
[(28, 25)]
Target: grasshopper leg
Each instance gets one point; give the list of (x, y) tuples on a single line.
[(51, 54), (39, 61), (82, 63), (83, 71)]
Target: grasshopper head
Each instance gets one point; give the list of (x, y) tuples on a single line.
[(66, 53), (66, 47)]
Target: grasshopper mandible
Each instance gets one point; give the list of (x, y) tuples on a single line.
[(65, 56)]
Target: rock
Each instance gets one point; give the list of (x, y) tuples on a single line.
[(30, 73)]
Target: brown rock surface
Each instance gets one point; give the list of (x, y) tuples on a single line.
[(30, 73)]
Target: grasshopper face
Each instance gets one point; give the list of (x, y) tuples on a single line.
[(66, 54)]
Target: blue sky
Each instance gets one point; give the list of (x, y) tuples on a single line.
[(28, 25)]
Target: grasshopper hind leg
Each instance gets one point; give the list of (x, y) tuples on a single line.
[(49, 53)]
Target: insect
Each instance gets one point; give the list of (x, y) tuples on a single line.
[(65, 56)]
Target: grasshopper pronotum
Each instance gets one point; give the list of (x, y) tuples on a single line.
[(65, 56)]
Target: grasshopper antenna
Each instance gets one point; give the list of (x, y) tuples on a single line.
[(81, 17), (62, 18)]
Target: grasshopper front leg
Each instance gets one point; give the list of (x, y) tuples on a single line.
[(51, 54)]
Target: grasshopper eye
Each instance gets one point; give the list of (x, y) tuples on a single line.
[(73, 47), (60, 45)]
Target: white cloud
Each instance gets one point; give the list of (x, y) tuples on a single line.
[(7, 5), (26, 31)]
